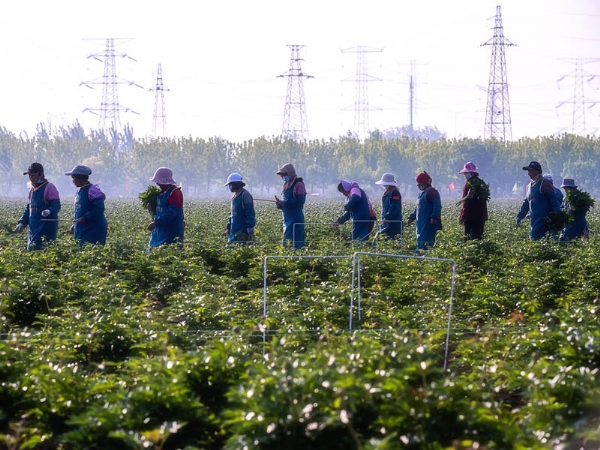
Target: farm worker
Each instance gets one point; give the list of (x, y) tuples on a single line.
[(89, 221), (428, 212), (540, 200), (358, 207), (41, 212), (578, 227), (291, 205), (559, 195), (242, 219), (475, 195), (391, 207), (168, 224)]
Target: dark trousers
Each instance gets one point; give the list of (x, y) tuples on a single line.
[(474, 229)]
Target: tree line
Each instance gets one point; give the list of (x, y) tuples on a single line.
[(123, 164)]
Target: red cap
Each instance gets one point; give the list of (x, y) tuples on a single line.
[(423, 177)]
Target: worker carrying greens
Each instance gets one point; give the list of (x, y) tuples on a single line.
[(168, 224)]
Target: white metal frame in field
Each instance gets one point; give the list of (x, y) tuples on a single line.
[(356, 274)]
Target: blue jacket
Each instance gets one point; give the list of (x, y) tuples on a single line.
[(391, 209), (91, 208), (358, 209), (429, 206), (242, 216), (577, 227), (169, 220), (42, 230), (292, 205), (539, 201)]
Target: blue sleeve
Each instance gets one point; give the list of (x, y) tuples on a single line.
[(96, 212), (25, 217), (54, 206), (297, 201), (554, 203), (352, 202), (413, 215), (437, 208), (395, 209), (249, 208), (344, 218), (524, 210), (294, 202), (168, 216)]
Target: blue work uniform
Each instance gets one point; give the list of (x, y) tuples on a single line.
[(293, 216), (42, 230), (539, 201), (357, 208), (169, 221), (577, 227), (429, 206), (391, 210), (93, 231), (241, 218)]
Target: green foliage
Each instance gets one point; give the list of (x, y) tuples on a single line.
[(579, 201), (557, 220), (479, 188), (148, 198)]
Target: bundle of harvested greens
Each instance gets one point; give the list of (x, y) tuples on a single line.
[(148, 199), (477, 189), (579, 201), (557, 220)]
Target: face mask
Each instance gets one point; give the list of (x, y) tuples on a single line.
[(231, 188), (468, 175), (422, 188), (286, 178)]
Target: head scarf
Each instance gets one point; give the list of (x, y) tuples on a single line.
[(291, 172)]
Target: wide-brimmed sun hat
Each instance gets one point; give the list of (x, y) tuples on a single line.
[(568, 182), (234, 178), (163, 175), (387, 179), (469, 168)]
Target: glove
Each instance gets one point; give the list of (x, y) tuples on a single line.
[(45, 213), (20, 227), (518, 222)]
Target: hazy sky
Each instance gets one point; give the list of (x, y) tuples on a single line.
[(220, 59)]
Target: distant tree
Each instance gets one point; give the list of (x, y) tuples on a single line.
[(427, 132)]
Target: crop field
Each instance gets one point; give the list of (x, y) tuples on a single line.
[(491, 344)]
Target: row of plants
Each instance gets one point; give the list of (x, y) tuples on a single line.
[(113, 347)]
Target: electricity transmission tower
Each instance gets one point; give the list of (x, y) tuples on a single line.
[(497, 113), (361, 99), (160, 117), (411, 94), (295, 125), (578, 125), (109, 107)]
